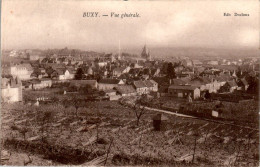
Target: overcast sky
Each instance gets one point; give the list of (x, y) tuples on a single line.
[(57, 24)]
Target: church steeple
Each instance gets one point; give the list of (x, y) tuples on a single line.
[(145, 53)]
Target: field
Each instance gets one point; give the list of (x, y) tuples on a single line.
[(244, 113), (108, 129)]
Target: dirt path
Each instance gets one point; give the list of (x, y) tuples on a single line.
[(188, 116)]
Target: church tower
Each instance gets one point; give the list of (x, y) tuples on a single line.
[(146, 54), (119, 51)]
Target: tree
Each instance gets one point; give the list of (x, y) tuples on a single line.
[(21, 130), (79, 74), (196, 135), (164, 68), (87, 89), (253, 85), (139, 112), (207, 95), (72, 88), (49, 71), (170, 71), (44, 117), (74, 101)]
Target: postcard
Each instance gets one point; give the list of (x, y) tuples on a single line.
[(130, 83)]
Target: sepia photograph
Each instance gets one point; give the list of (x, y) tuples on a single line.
[(130, 83)]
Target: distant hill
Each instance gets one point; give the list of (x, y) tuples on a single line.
[(200, 53)]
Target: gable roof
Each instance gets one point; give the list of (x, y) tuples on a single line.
[(232, 83), (139, 84), (153, 82), (188, 87), (82, 83), (161, 80), (55, 66), (125, 89), (60, 71), (109, 81), (124, 76), (71, 70), (119, 69), (178, 82), (244, 81), (223, 77), (148, 83), (25, 65)]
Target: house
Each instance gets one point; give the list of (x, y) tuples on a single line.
[(178, 81), (184, 91), (213, 62), (35, 75), (199, 82), (72, 73), (155, 72), (155, 86), (23, 71), (229, 86), (11, 89), (223, 78), (109, 83), (43, 72), (242, 84), (134, 72), (187, 63), (62, 74), (178, 69), (126, 90), (187, 72), (197, 63), (140, 87), (120, 70), (82, 83), (149, 85), (233, 85), (162, 83), (36, 84), (110, 92), (88, 71), (206, 83), (26, 85), (46, 82), (34, 56)]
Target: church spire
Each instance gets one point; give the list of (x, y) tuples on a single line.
[(145, 53), (119, 50)]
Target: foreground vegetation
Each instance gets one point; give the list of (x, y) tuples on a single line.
[(111, 130)]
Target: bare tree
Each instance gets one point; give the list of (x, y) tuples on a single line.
[(44, 117), (196, 135), (21, 130), (238, 152), (75, 102), (108, 151), (139, 112)]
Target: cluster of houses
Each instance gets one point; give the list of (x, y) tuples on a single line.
[(118, 76)]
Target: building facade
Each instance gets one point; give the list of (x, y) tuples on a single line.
[(11, 90)]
